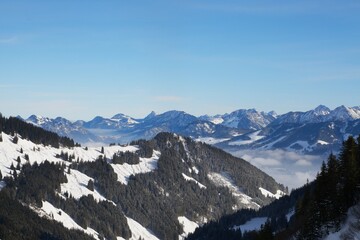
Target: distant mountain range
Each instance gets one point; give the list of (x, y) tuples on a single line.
[(317, 131)]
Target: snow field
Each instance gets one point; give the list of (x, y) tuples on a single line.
[(77, 186), (51, 212), (267, 193), (188, 226), (124, 171), (225, 180), (253, 137), (77, 181)]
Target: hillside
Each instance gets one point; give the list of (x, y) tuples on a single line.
[(162, 188), (327, 208)]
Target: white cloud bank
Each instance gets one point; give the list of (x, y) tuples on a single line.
[(289, 168)]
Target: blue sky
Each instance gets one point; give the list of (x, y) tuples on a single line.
[(79, 59)]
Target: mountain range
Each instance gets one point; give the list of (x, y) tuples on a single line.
[(317, 131), (161, 188)]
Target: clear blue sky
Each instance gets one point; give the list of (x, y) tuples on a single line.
[(79, 59)]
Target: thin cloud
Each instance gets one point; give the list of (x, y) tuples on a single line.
[(9, 40), (303, 162)]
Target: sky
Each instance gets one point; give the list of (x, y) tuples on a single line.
[(78, 59)]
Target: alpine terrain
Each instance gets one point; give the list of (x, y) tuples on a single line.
[(318, 131), (327, 208), (162, 188)]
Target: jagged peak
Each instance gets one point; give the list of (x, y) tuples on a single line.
[(322, 108), (151, 115)]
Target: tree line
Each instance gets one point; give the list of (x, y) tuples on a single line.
[(13, 126)]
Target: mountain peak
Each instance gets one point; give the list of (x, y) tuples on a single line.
[(322, 108), (37, 119), (151, 115)]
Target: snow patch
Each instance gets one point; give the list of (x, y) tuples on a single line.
[(253, 224), (211, 140), (138, 231), (225, 180), (253, 137), (290, 214), (267, 193), (188, 226), (196, 171), (77, 186), (124, 171), (2, 185), (187, 178)]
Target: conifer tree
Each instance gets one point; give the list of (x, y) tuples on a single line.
[(18, 167), (349, 170), (90, 185), (15, 139)]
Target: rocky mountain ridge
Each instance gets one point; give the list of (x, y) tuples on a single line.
[(239, 129)]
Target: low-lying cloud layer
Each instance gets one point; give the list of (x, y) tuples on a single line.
[(289, 168)]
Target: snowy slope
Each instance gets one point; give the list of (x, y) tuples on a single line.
[(188, 226), (225, 180), (49, 211), (138, 231), (76, 186), (124, 171), (77, 181)]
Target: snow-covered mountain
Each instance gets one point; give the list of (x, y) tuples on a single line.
[(118, 121), (318, 131), (243, 119), (320, 114), (157, 189), (64, 127), (312, 138), (241, 129)]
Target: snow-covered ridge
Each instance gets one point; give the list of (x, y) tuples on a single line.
[(267, 193), (321, 114), (225, 180)]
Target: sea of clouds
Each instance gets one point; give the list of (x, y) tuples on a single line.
[(289, 168)]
